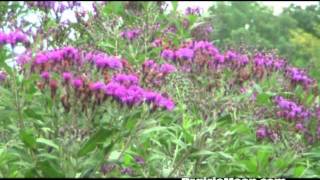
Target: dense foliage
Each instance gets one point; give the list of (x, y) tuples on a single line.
[(131, 89)]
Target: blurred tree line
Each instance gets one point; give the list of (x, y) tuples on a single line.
[(295, 33)]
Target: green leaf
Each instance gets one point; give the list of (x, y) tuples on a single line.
[(225, 119), (226, 155), (159, 128), (28, 138), (113, 7), (258, 88), (298, 171), (174, 5), (99, 137), (49, 169), (48, 143), (30, 113), (203, 153), (31, 173), (263, 99), (263, 156)]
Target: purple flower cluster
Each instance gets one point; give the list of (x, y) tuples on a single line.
[(125, 89), (61, 59), (56, 6), (139, 160), (157, 43), (24, 58), (192, 10), (107, 168), (42, 4), (58, 55), (193, 56), (132, 95), (103, 61), (135, 95), (298, 76), (151, 65), (14, 38), (185, 54), (3, 76), (67, 76), (127, 171), (263, 132), (77, 83), (159, 101), (268, 62), (188, 52), (45, 75), (130, 34), (204, 54), (126, 80), (155, 74), (170, 29), (168, 54), (166, 69), (291, 111)]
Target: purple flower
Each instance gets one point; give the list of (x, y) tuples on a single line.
[(168, 54), (299, 127), (114, 63), (261, 132), (298, 76), (139, 160), (149, 64), (3, 38), (157, 43), (167, 68), (219, 58), (3, 76), (111, 88), (17, 37), (67, 76), (192, 10), (126, 80), (185, 23), (107, 168), (77, 83), (185, 53), (150, 96), (133, 96), (290, 110), (71, 53), (279, 64), (24, 58), (14, 38), (96, 86), (41, 58), (163, 102), (103, 61), (230, 55), (128, 171), (45, 75), (130, 34)]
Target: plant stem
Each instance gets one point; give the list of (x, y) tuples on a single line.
[(180, 162)]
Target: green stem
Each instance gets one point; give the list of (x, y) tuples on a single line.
[(136, 129), (16, 93)]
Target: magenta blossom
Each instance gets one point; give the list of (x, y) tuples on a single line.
[(77, 83), (45, 75)]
